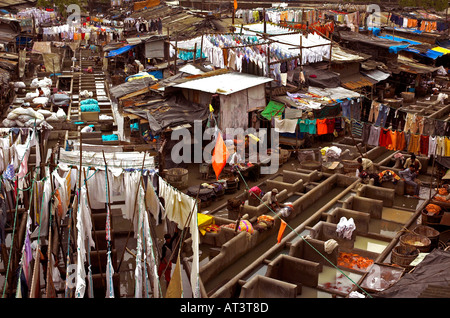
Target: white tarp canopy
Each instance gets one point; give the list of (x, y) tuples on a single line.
[(225, 84)]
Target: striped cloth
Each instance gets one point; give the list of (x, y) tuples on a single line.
[(357, 128)]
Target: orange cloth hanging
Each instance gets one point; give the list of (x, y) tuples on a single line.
[(281, 231), (220, 156)]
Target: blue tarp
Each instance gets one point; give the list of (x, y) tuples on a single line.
[(157, 74), (121, 50), (397, 48), (430, 53), (396, 39)]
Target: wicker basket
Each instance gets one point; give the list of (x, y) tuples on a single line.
[(421, 242)]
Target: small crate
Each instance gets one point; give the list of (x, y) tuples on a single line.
[(89, 116)]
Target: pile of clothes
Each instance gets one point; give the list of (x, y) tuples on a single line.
[(442, 195), (433, 209)]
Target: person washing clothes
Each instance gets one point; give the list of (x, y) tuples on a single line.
[(413, 161), (410, 175), (271, 198), (367, 164)]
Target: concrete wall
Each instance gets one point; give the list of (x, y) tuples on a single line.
[(372, 206), (307, 250), (292, 182), (378, 193), (233, 249), (294, 270), (361, 219), (325, 231), (267, 287)]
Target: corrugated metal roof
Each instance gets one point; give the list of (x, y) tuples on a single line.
[(357, 81), (224, 84), (11, 3), (377, 75)]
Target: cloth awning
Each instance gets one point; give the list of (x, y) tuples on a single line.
[(121, 50), (430, 272)]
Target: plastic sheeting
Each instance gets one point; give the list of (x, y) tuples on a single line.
[(433, 270), (121, 50)]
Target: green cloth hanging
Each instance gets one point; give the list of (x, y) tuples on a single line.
[(271, 109)]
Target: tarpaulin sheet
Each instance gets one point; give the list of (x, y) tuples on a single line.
[(397, 39), (41, 47), (130, 87), (121, 50), (169, 112), (52, 62), (372, 41), (145, 4), (441, 50), (321, 78), (433, 270)]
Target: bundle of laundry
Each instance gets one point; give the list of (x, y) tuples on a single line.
[(41, 100), (28, 117), (345, 227), (45, 82), (105, 117), (139, 76), (19, 85), (89, 105), (60, 99), (333, 152), (86, 94), (111, 137)]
